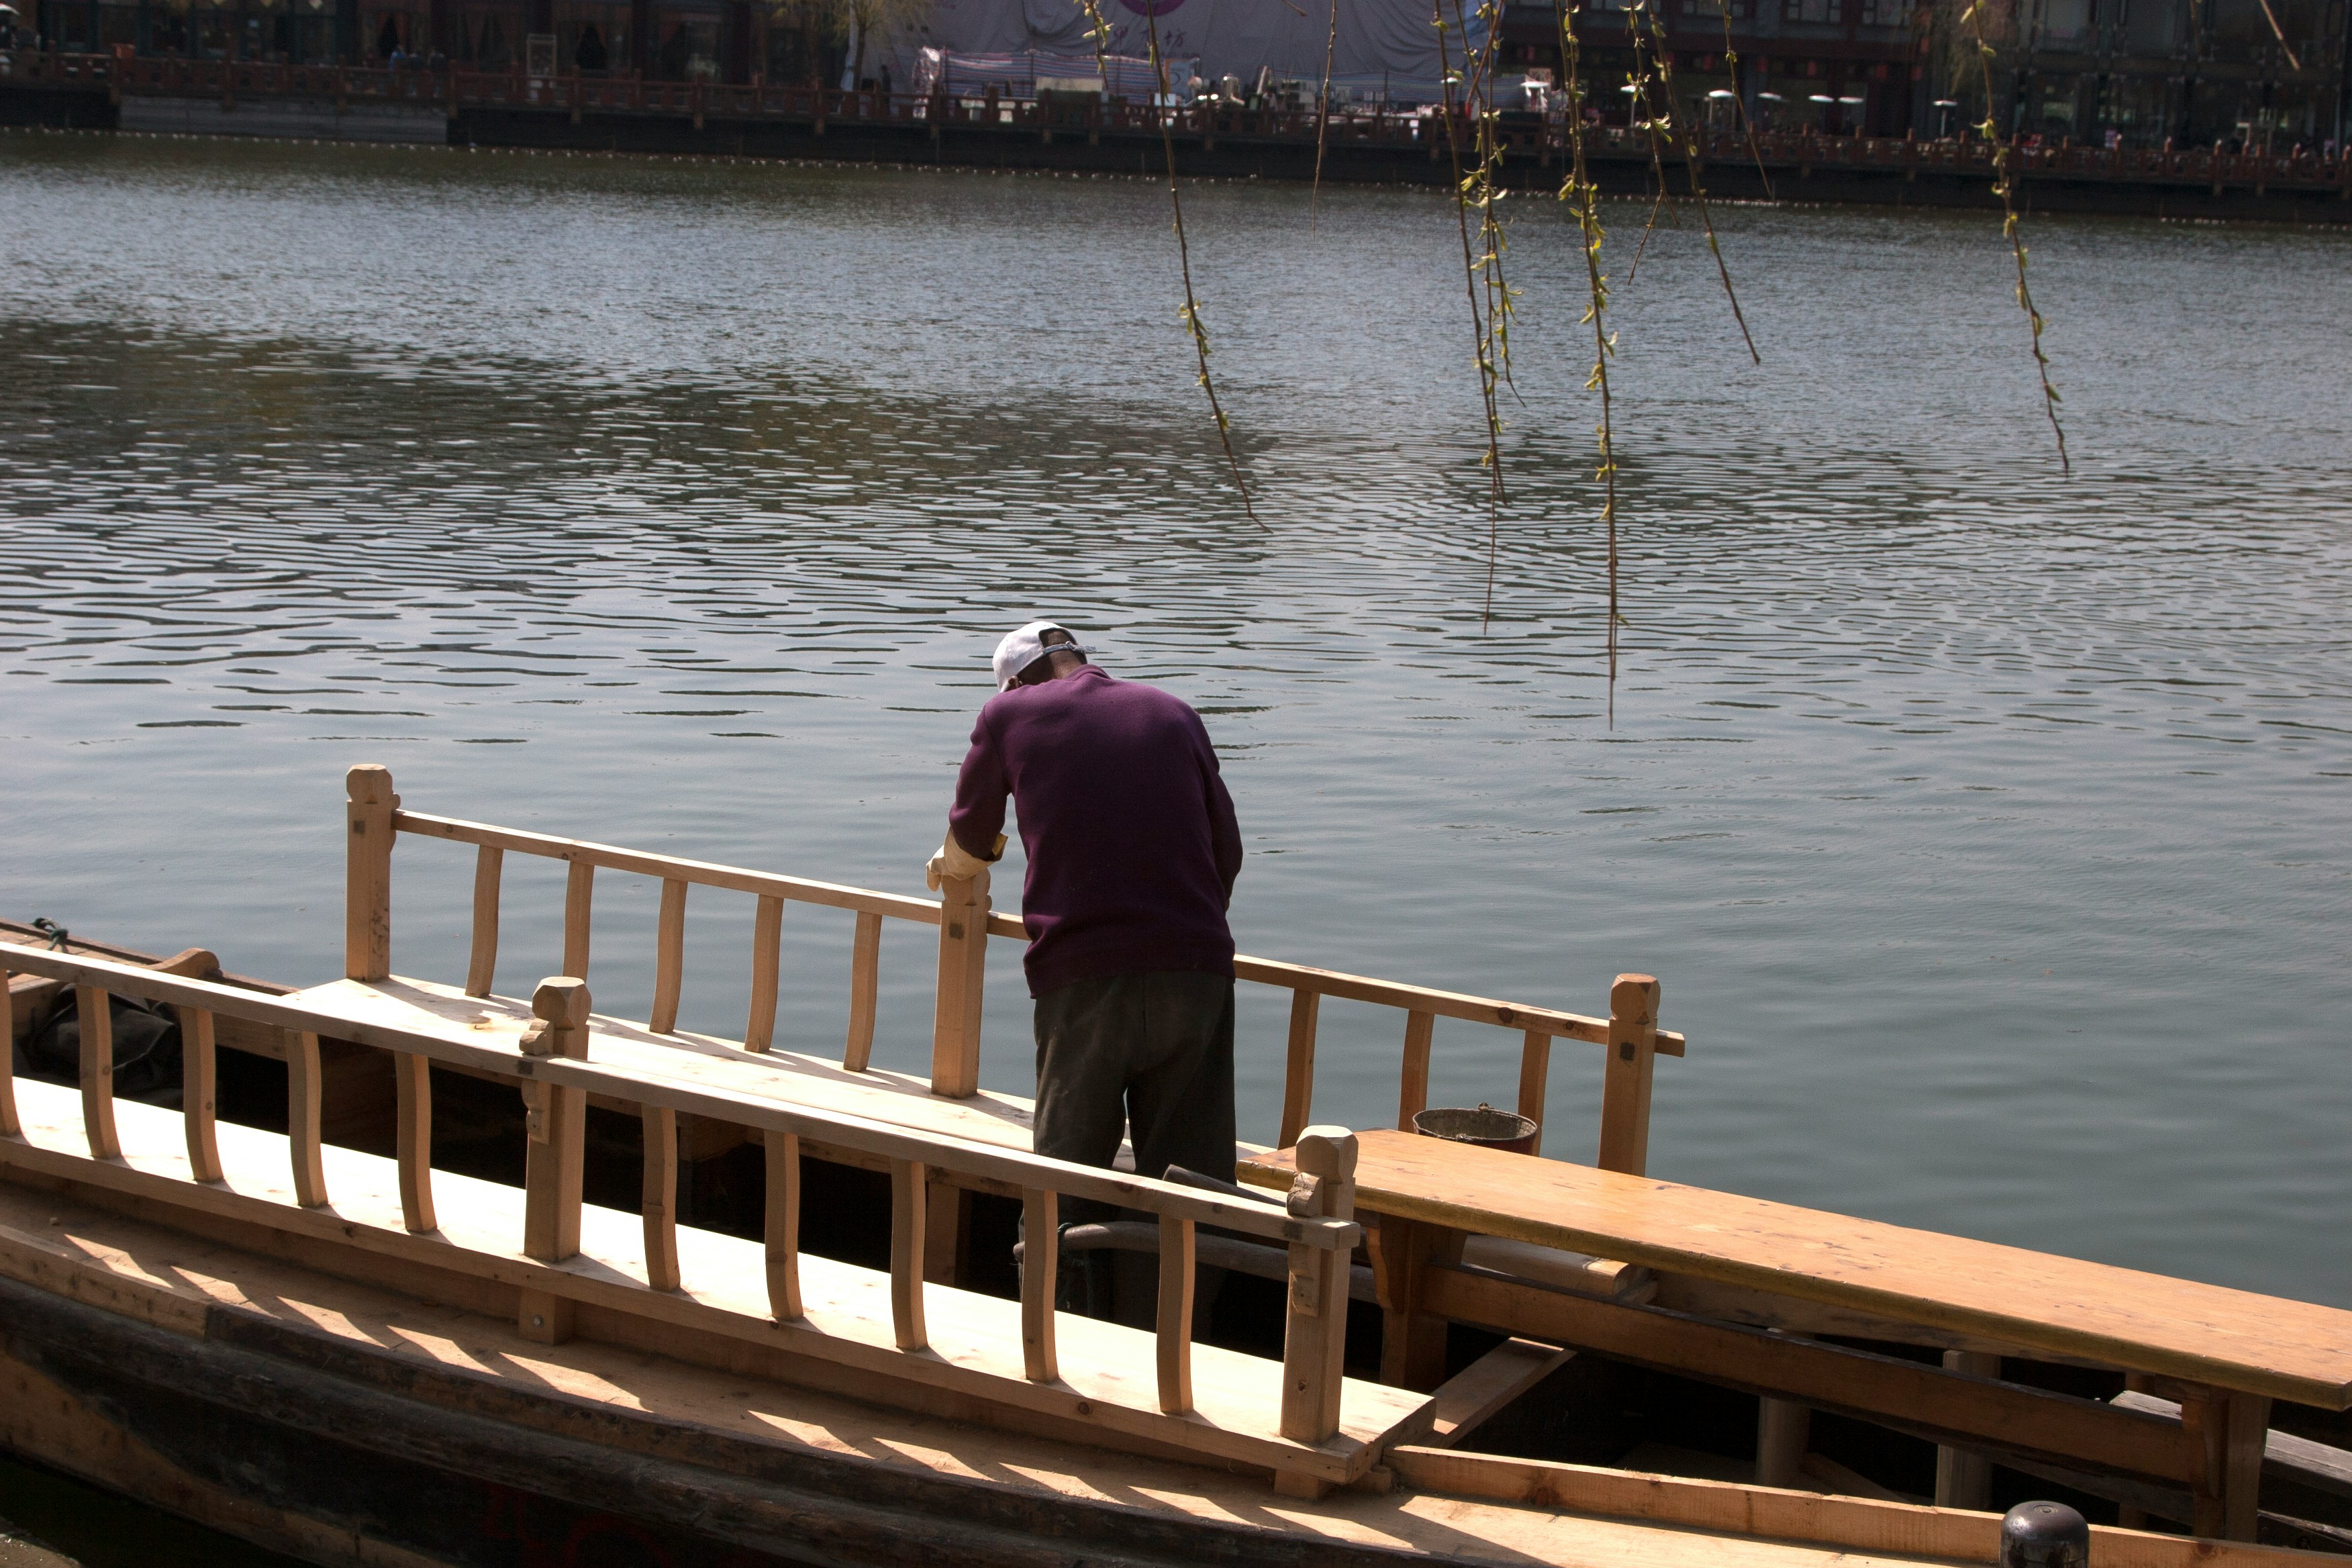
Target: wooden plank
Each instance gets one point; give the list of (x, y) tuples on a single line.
[(721, 1084), (2285, 1456), (658, 1203), (1041, 1249), (1854, 1383), (2242, 1466), (1534, 1075), (1722, 1507), (1315, 1321), (367, 871), (95, 1009), (304, 1130), (963, 966), (864, 985), (1175, 1317), (909, 1194), (767, 941), (1298, 1066), (1422, 998), (413, 1117), (1485, 1388), (669, 957), (2034, 1301), (1413, 1082), (579, 895), (780, 1238), (7, 1057), (482, 963), (199, 1097), (1625, 1093)]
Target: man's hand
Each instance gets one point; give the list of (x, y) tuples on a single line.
[(953, 859)]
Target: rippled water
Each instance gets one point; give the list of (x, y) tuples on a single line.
[(1987, 828)]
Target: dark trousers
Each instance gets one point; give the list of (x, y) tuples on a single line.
[(1148, 1056)]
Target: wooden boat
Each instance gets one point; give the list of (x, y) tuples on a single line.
[(421, 1273)]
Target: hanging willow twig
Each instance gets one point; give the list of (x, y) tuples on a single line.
[(2004, 184), (1482, 265), (1679, 129), (1192, 311), (1322, 117), (1740, 99), (1584, 202), (1638, 88)]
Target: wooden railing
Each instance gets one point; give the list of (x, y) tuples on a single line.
[(553, 1068), (965, 922)]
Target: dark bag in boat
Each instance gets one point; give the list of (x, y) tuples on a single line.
[(146, 1047)]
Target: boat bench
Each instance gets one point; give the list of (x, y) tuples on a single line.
[(1717, 1258)]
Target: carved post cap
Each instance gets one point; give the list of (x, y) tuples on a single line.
[(1634, 998), (561, 1001), (1328, 1151), (369, 783)]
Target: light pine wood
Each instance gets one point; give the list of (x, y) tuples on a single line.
[(1315, 1324), (963, 964), (482, 963), (865, 985), (1964, 1478), (544, 1317), (8, 1121), (367, 873), (413, 1115), (947, 1230), (657, 1201), (1041, 1257), (718, 1083), (304, 1129), (1535, 1080), (199, 1097), (767, 944), (782, 1236), (556, 1121), (1412, 1083), (2093, 1311), (1298, 1066), (1480, 1391), (669, 957), (95, 1009), (579, 899), (1625, 1090), (1420, 998), (908, 1196), (1175, 1316)]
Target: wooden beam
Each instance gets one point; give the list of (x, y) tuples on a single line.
[(865, 980), (1487, 1386), (9, 1124), (413, 1115), (367, 871), (1413, 1082), (963, 964), (1175, 1317), (1964, 1478), (782, 1235), (1299, 1067), (909, 1194), (1534, 1074), (1852, 1383), (669, 957), (304, 1128), (482, 963), (767, 939), (1625, 1093), (1315, 1324), (1412, 1340), (1041, 1250), (557, 1124), (657, 1201), (94, 1010), (1422, 998), (579, 895)]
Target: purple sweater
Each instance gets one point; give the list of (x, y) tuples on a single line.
[(1130, 835)]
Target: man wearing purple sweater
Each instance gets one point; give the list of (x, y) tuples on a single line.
[(1132, 851)]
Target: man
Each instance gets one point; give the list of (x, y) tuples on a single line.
[(1132, 851)]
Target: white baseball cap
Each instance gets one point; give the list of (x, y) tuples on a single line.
[(1025, 647)]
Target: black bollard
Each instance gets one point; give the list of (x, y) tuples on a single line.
[(2044, 1535)]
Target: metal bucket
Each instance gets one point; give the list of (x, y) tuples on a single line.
[(1485, 1126)]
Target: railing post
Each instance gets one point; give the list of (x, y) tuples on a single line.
[(10, 1127), (412, 1112), (1299, 1067), (94, 1009), (782, 1235), (963, 966), (556, 1121), (767, 939), (482, 964), (367, 872), (1175, 1321), (1625, 1093), (865, 975), (1041, 1257), (657, 1198), (1535, 1075), (910, 1182), (304, 1131), (196, 1093), (1315, 1330), (579, 898), (669, 956), (1412, 1083)]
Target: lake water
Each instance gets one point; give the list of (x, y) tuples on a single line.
[(1990, 829)]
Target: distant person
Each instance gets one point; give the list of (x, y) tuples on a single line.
[(1133, 848), (590, 55)]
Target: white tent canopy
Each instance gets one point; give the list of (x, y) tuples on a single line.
[(1380, 41)]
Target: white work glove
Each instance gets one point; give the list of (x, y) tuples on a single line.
[(953, 859)]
